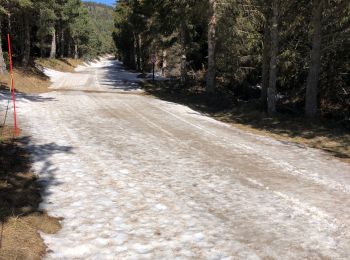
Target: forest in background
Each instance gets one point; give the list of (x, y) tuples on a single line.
[(54, 29), (283, 56), (103, 24)]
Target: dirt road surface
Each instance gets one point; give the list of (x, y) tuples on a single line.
[(134, 177)]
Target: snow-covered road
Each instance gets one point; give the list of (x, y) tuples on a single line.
[(134, 177)]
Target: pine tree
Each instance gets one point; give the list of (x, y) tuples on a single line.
[(80, 29), (271, 92), (211, 75), (3, 11), (46, 25), (26, 8), (315, 66)]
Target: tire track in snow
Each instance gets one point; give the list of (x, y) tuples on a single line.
[(283, 165), (308, 211), (294, 203), (303, 208), (142, 161)]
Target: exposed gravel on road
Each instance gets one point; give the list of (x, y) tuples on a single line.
[(135, 177)]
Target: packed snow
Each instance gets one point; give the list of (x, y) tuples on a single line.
[(134, 177)]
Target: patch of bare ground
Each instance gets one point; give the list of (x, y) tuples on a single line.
[(20, 219), (325, 134)]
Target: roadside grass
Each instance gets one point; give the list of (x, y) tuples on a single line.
[(27, 80), (20, 219), (64, 64), (32, 80), (327, 135)]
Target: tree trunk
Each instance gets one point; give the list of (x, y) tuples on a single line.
[(69, 48), (139, 40), (2, 60), (164, 63), (76, 54), (26, 46), (130, 56), (211, 75), (183, 53), (138, 51), (53, 45), (271, 92), (42, 48), (265, 65), (62, 44), (315, 66)]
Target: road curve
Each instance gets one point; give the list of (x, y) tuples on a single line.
[(134, 177)]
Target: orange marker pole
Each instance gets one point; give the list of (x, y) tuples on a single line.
[(16, 130)]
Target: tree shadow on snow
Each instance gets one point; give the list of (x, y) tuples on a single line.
[(117, 77), (20, 188), (5, 95), (323, 134)]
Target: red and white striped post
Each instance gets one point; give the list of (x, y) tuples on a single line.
[(16, 130)]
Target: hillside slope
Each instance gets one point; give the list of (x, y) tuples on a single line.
[(103, 23)]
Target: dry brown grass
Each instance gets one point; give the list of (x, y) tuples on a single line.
[(31, 80), (27, 80), (65, 65), (20, 238), (6, 133), (315, 134), (20, 219)]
